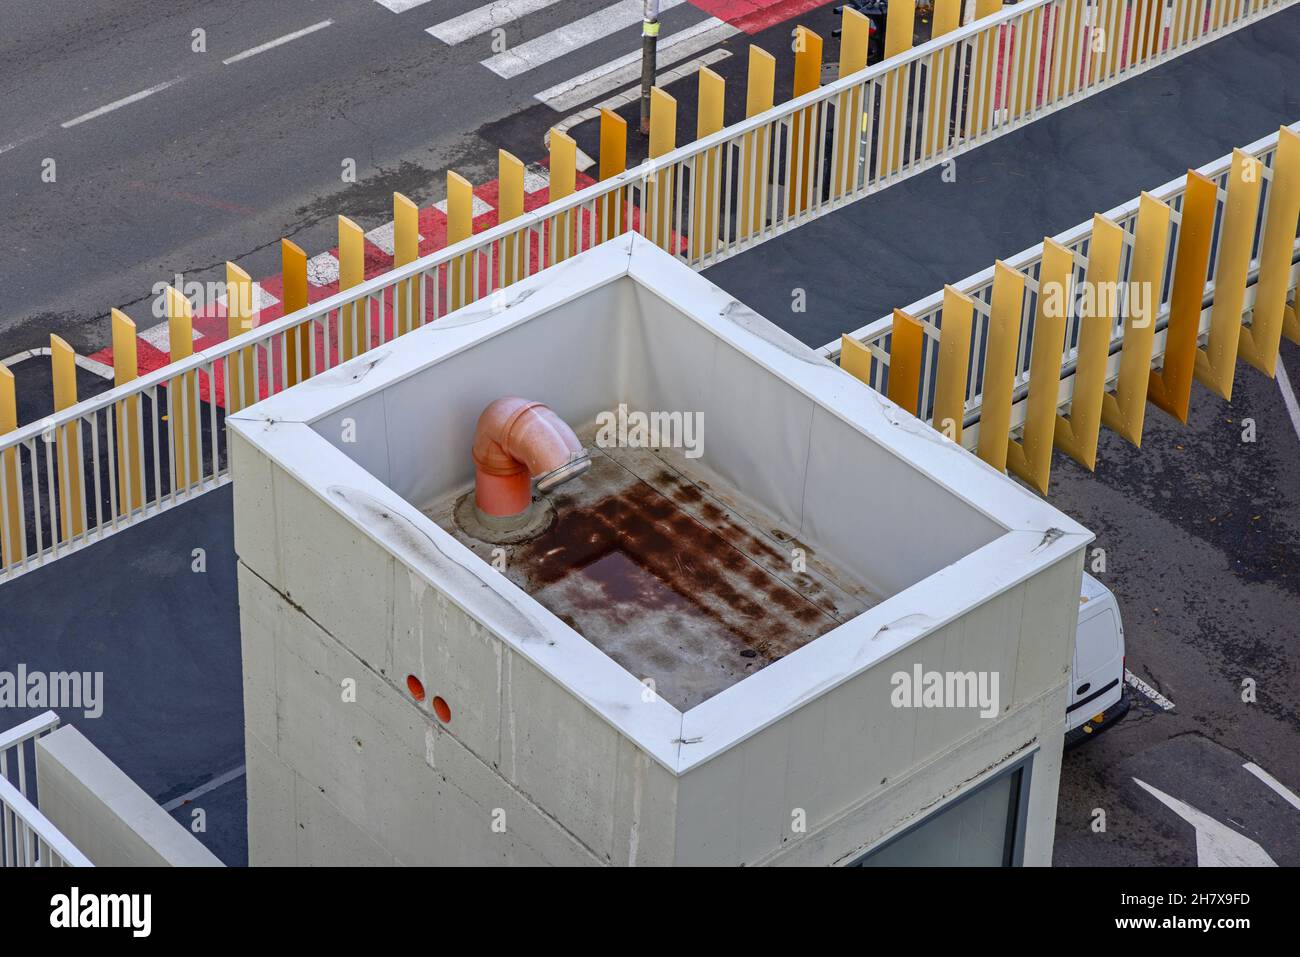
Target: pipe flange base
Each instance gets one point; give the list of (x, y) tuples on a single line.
[(503, 530)]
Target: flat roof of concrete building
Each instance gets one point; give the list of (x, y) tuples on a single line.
[(384, 440), (671, 571)]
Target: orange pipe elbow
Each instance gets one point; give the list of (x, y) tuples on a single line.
[(516, 441)]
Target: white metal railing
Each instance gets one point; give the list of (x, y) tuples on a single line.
[(979, 287), (157, 441), (27, 838)]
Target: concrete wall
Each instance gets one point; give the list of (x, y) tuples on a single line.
[(377, 778), (104, 813), (861, 770), (443, 403)]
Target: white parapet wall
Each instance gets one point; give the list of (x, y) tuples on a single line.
[(104, 813), (548, 751)]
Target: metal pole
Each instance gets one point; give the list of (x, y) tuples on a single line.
[(649, 41)]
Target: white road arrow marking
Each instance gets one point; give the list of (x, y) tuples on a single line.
[(1217, 845), (1285, 793)]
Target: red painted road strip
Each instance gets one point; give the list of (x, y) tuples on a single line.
[(210, 322), (753, 16)]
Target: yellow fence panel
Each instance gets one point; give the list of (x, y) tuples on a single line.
[(127, 424), (804, 128), (954, 361), (660, 186), (705, 179), (1005, 309), (756, 148), (242, 368), (613, 160), (899, 24), (184, 427), (1171, 388), (1291, 323), (855, 359), (406, 249), (1260, 341), (1031, 458), (563, 182), (353, 324), (12, 541), (67, 441), (983, 72), (905, 348), (1028, 47), (1077, 435), (510, 205), (1125, 410), (460, 226), (947, 17), (298, 357), (1216, 363), (854, 38)]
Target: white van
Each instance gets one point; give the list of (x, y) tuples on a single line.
[(1097, 697)]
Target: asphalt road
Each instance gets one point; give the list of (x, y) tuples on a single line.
[(229, 158), (1201, 530)]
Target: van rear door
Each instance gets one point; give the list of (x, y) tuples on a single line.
[(1098, 663)]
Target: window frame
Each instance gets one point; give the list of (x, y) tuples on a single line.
[(1017, 812)]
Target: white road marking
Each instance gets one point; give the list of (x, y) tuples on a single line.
[(159, 336), (627, 69), (485, 18), (1217, 845), (477, 206), (536, 177), (198, 792), (279, 41), (116, 104), (401, 6), (1285, 793), (83, 362), (570, 37), (323, 269), (1147, 690), (261, 298), (1288, 396), (385, 237), (633, 93)]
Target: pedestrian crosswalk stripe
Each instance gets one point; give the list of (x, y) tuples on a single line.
[(385, 237), (323, 269), (572, 36), (477, 206), (401, 6), (627, 69), (484, 18), (536, 177), (261, 299), (159, 336), (633, 93)]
